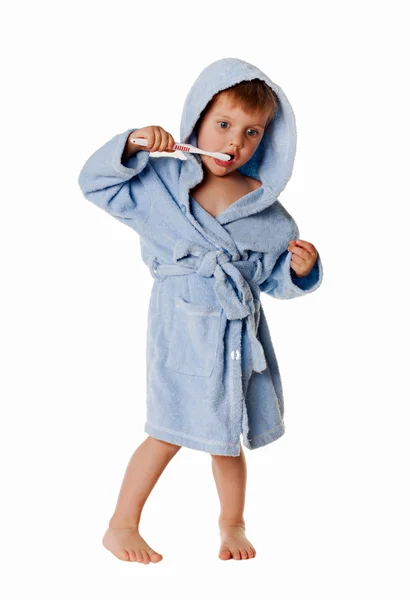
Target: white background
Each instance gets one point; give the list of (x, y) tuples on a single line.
[(327, 504)]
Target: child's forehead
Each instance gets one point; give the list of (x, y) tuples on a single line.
[(224, 105)]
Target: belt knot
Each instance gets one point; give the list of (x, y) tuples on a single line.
[(233, 293)]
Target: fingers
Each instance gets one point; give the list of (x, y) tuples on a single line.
[(300, 262), (170, 143), (158, 140), (302, 248), (163, 140), (304, 256), (302, 244), (301, 266), (298, 250), (167, 141)]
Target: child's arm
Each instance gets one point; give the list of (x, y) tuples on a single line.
[(284, 284), (120, 178), (112, 179)]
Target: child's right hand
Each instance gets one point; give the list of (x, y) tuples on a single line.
[(158, 140)]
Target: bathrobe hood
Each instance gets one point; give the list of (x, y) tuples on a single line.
[(272, 163)]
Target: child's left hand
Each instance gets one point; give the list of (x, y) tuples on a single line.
[(304, 256)]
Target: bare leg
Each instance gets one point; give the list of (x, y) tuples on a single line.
[(146, 465), (230, 478)]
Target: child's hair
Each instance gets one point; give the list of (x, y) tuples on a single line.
[(254, 95)]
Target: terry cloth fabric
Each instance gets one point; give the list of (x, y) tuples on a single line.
[(212, 373)]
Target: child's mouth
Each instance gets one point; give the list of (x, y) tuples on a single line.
[(225, 163)]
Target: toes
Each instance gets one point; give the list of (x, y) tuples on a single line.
[(145, 557), (155, 556), (123, 555), (133, 556), (225, 553), (237, 553), (139, 556)]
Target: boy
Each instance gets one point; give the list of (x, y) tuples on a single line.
[(213, 235)]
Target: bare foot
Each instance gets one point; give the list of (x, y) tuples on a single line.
[(127, 544), (234, 543)]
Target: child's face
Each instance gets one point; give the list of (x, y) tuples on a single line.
[(228, 129)]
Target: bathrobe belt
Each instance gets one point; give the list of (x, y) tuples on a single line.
[(233, 293)]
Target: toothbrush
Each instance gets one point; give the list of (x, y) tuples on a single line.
[(186, 148)]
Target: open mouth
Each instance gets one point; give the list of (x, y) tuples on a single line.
[(226, 162)]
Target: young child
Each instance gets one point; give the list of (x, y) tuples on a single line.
[(214, 235)]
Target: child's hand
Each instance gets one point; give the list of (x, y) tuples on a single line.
[(158, 139), (304, 256)]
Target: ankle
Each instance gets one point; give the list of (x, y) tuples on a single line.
[(227, 522), (123, 523)]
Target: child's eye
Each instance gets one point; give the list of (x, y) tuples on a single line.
[(225, 123)]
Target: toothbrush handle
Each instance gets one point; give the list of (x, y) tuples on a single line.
[(183, 147), (139, 141)]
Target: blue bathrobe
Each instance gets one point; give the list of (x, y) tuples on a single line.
[(212, 373)]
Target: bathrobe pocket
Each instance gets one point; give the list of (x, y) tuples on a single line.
[(194, 339)]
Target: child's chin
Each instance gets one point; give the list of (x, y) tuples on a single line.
[(213, 167), (217, 172)]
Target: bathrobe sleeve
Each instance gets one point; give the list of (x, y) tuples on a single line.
[(119, 189), (284, 284)]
